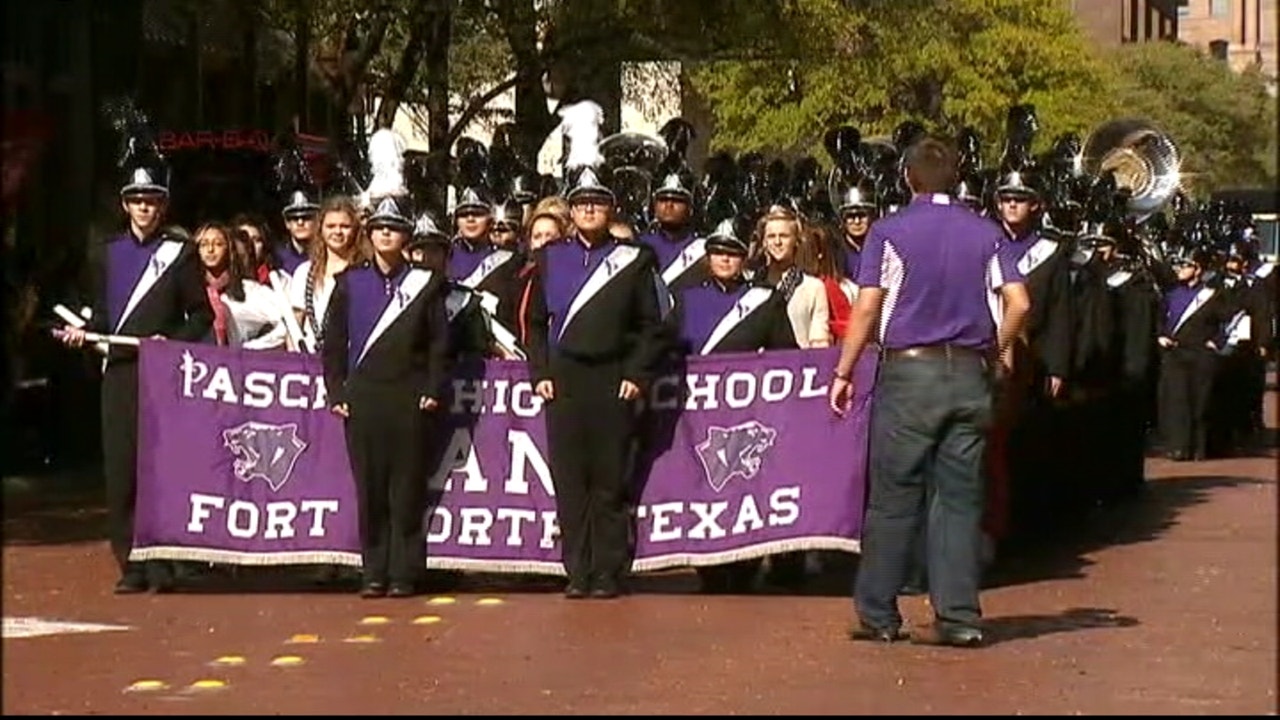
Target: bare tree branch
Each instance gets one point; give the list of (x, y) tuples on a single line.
[(476, 106)]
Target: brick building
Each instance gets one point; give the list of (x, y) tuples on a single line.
[(1240, 32), (1113, 22)]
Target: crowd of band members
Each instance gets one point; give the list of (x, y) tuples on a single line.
[(1089, 360)]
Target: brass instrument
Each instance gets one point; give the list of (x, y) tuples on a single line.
[(1145, 161)]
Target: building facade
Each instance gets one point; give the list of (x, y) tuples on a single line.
[(1114, 22), (1239, 32)]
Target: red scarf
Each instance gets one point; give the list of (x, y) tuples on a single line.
[(213, 287), (264, 274)]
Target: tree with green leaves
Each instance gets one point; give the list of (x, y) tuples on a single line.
[(877, 63)]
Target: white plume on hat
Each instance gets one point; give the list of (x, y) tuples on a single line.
[(580, 123), (386, 163)]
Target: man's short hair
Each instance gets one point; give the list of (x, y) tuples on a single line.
[(931, 166)]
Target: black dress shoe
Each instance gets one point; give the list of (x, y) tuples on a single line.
[(132, 582), (574, 591), (373, 589), (863, 633), (402, 590), (605, 591), (160, 576), (964, 637)]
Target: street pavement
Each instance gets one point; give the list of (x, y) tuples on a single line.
[(1165, 605)]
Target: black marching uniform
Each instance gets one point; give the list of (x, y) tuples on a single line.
[(1194, 316), (1241, 376), (1035, 477), (483, 266), (1135, 303), (470, 329), (149, 286), (594, 321), (730, 316), (386, 347)]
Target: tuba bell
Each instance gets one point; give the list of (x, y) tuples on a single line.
[(1145, 162)]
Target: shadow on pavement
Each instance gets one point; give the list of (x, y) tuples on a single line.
[(54, 508), (1024, 627), (1061, 552)]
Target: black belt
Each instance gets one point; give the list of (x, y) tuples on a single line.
[(944, 352)]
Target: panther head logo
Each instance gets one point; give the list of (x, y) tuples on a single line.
[(734, 451), (264, 451)]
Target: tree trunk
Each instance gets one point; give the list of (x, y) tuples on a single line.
[(424, 15), (533, 122), (439, 29), (301, 64)]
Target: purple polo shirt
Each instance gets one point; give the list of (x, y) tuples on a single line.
[(939, 267)]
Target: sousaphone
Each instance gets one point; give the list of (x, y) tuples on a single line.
[(1145, 161)]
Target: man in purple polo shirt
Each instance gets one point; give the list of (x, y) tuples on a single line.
[(931, 285)]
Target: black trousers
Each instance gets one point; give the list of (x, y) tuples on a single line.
[(387, 445), (1124, 432), (1186, 385), (591, 436), (120, 454)]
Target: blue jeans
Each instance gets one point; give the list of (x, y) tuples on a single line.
[(929, 422)]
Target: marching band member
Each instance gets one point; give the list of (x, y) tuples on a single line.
[(726, 313), (245, 313), (1135, 320), (475, 261), (857, 210), (1244, 343), (301, 211), (507, 223), (152, 288), (313, 280), (594, 339), (679, 250), (1043, 357), (385, 360), (1194, 315), (470, 329)]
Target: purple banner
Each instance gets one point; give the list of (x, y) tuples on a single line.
[(240, 462)]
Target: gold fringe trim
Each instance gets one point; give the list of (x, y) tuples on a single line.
[(534, 567)]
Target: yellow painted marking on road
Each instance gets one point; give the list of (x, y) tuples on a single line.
[(427, 620), (230, 660), (442, 600), (490, 601), (286, 661), (375, 620), (146, 686), (208, 685), (303, 639), (362, 639)]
